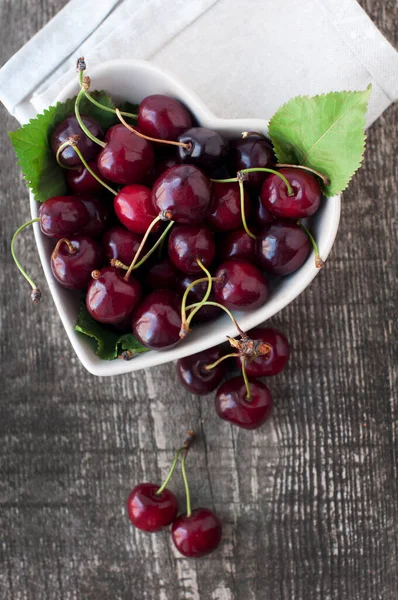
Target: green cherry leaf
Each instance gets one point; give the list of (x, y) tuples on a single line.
[(325, 133)]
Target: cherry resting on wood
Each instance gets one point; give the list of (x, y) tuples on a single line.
[(197, 535), (150, 511), (193, 375)]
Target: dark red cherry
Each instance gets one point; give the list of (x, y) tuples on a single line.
[(197, 535), (150, 511), (225, 212), (81, 181), (63, 216), (232, 404), (73, 261), (134, 209), (127, 158), (276, 360), (240, 285), (237, 244), (192, 373), (303, 203), (206, 149), (196, 294), (259, 215), (184, 192), (99, 216), (162, 276), (282, 247), (163, 117), (120, 243), (187, 244), (252, 151), (87, 147), (157, 320), (110, 298)]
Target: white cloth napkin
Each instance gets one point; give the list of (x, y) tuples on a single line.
[(244, 58)]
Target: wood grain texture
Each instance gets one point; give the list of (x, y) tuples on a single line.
[(309, 503)]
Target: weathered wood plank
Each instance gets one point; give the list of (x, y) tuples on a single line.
[(309, 503)]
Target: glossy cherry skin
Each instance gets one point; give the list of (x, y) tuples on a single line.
[(226, 213), (277, 358), (188, 244), (81, 181), (197, 535), (111, 299), (127, 158), (259, 215), (282, 247), (162, 276), (240, 285), (196, 294), (232, 404), (150, 511), (183, 191), (63, 216), (163, 117), (252, 151), (73, 270), (237, 244), (134, 209), (99, 216), (87, 147), (207, 149), (118, 242), (194, 377), (157, 320), (305, 200)]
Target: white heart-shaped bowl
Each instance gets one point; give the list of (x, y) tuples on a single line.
[(133, 80)]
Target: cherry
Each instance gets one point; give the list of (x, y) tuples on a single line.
[(69, 127), (134, 209), (188, 244), (81, 181), (197, 535), (74, 259), (232, 404), (184, 192), (282, 247), (120, 243), (162, 276), (157, 320), (110, 298), (163, 117), (196, 294), (240, 285), (275, 360), (150, 511), (206, 148), (226, 211), (126, 158), (63, 216), (193, 375), (99, 216), (249, 152), (237, 244), (259, 215), (305, 201)]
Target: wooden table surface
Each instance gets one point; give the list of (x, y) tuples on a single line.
[(309, 502)]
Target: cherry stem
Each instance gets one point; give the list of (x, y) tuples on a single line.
[(318, 260), (242, 209), (290, 191), (244, 374), (36, 293), (106, 108), (151, 139), (72, 142), (246, 134), (140, 247), (170, 473), (184, 320), (231, 316), (156, 245), (78, 116), (217, 362), (184, 476), (230, 180), (71, 249), (325, 179)]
